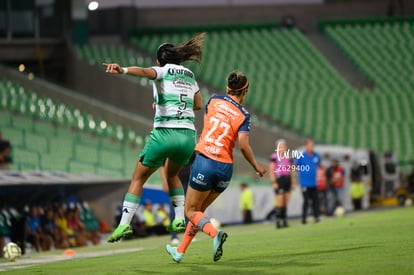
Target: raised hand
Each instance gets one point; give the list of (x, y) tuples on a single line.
[(113, 68)]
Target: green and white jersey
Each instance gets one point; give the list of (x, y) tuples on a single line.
[(174, 90)]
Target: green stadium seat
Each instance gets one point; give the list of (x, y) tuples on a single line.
[(42, 140), (299, 87)]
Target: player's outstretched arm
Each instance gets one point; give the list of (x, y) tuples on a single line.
[(135, 71), (247, 152)]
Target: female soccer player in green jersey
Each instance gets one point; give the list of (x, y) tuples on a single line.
[(173, 137)]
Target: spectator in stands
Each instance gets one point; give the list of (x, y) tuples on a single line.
[(76, 226), (307, 166), (18, 229), (62, 225), (246, 203), (336, 181), (5, 153), (91, 223), (4, 229), (173, 137), (35, 235), (152, 226), (410, 182), (50, 229), (280, 165), (162, 216)]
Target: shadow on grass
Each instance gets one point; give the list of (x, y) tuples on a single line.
[(284, 260)]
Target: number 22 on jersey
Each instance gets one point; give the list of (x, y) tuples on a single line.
[(219, 129)]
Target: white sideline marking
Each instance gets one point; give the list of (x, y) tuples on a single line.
[(38, 260)]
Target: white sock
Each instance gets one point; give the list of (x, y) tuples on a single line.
[(178, 202), (128, 212)]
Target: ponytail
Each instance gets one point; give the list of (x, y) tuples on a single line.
[(189, 50)]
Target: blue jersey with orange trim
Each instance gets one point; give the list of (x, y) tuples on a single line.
[(224, 119)]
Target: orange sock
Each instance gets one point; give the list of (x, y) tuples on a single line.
[(190, 232), (203, 223)]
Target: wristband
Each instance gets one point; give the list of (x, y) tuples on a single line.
[(124, 70)]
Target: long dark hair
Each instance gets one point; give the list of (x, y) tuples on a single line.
[(236, 83), (189, 50)]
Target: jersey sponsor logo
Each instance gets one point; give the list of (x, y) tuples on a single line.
[(221, 106), (181, 83), (223, 184), (200, 176), (173, 71), (213, 150), (199, 179)]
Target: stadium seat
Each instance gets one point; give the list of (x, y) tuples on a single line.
[(381, 51), (49, 135), (294, 85)]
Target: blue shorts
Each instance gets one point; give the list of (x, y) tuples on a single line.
[(208, 174)]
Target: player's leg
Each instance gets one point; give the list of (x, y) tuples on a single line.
[(279, 207), (177, 253), (286, 203), (152, 156), (176, 193), (221, 182), (196, 193), (305, 204), (286, 197), (193, 204), (315, 203), (131, 201), (205, 174), (180, 151), (220, 236)]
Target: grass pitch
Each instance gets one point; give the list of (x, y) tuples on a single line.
[(372, 242)]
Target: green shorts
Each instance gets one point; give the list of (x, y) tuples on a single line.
[(176, 144)]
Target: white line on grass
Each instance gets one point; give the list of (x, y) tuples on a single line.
[(32, 261)]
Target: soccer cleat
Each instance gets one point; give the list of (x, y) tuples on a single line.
[(120, 232), (218, 244), (177, 257), (176, 226)]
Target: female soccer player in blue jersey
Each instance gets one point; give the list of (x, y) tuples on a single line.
[(226, 121)]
